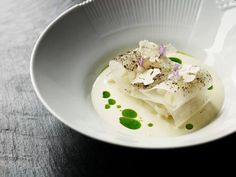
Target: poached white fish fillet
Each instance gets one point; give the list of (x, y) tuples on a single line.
[(171, 88)]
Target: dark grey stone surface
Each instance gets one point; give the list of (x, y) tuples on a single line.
[(33, 142)]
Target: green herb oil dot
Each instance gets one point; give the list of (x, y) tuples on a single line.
[(111, 101), (150, 124), (189, 126), (176, 60), (107, 106), (211, 88), (106, 94), (129, 113), (118, 106), (130, 123)]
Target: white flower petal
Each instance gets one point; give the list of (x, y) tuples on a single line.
[(186, 69), (149, 50), (147, 77), (194, 69), (147, 44), (154, 72), (189, 78)]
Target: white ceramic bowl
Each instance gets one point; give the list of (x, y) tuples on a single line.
[(72, 50)]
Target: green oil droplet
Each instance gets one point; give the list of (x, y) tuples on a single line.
[(130, 123), (211, 87), (129, 113), (106, 94), (107, 106), (189, 126), (150, 124), (111, 102), (176, 60), (118, 106)]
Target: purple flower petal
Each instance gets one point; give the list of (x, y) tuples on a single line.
[(176, 67), (141, 61), (175, 73), (162, 50)]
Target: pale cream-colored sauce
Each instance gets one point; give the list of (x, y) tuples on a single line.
[(161, 126)]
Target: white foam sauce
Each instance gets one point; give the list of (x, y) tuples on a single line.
[(161, 127)]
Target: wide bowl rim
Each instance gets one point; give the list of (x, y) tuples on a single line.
[(43, 101)]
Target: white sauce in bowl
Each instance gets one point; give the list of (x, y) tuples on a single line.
[(162, 127)]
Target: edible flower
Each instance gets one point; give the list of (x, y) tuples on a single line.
[(162, 50), (149, 50), (141, 61), (147, 77), (175, 73), (153, 52), (188, 72)]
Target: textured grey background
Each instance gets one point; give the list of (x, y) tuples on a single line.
[(32, 141)]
